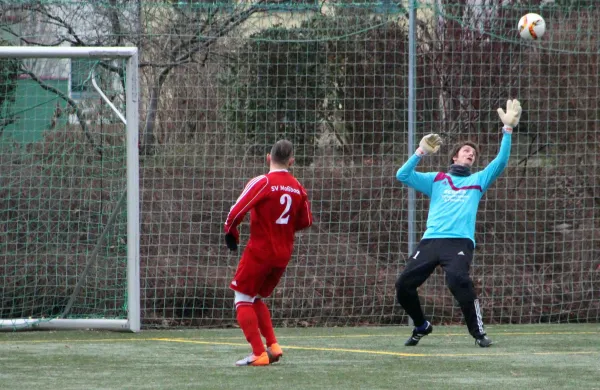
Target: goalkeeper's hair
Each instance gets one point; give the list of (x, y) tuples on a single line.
[(282, 151), (456, 148)]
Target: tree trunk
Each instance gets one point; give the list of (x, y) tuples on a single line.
[(148, 146)]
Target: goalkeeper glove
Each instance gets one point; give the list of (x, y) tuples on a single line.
[(231, 241), (512, 115), (429, 144)]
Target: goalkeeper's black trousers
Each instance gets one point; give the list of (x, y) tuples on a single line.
[(455, 256)]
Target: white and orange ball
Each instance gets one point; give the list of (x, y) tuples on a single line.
[(532, 27)]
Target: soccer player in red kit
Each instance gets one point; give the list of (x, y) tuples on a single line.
[(279, 207)]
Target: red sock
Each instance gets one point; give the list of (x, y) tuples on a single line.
[(264, 321), (246, 317)]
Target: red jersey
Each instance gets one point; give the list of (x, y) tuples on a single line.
[(278, 207)]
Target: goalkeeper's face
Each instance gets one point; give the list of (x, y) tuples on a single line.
[(466, 156)]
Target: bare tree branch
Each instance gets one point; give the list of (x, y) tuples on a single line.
[(60, 22), (216, 30), (113, 16), (31, 42)]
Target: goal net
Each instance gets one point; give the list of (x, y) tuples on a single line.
[(69, 247)]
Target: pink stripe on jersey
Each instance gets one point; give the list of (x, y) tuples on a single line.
[(441, 176)]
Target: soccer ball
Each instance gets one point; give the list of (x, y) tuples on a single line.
[(532, 27)]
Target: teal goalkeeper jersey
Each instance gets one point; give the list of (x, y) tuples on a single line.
[(454, 199)]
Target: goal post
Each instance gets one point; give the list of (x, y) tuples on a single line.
[(69, 188)]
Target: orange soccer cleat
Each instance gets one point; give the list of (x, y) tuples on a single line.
[(253, 360), (275, 352)]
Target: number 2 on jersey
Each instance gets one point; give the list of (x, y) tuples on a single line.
[(284, 217)]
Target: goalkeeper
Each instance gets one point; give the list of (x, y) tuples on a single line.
[(449, 240)]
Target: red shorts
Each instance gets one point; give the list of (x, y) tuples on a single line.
[(254, 277)]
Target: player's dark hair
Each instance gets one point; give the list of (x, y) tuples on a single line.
[(456, 148), (282, 151)]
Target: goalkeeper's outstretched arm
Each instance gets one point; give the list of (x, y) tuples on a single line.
[(497, 165), (510, 119), (421, 182)]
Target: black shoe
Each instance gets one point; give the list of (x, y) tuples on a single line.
[(417, 334), (483, 341)]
